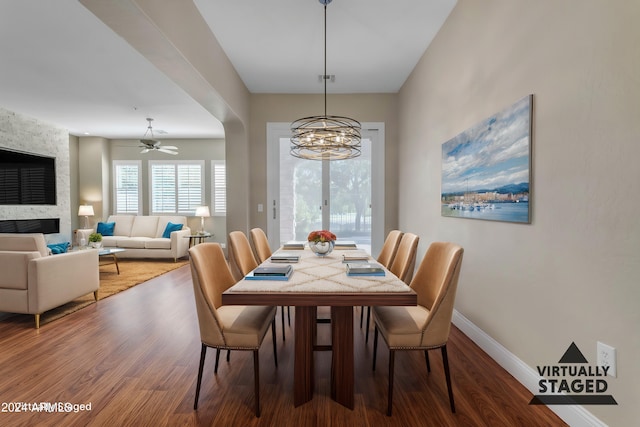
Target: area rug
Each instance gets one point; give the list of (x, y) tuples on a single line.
[(132, 273)]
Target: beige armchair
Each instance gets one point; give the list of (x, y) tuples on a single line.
[(33, 281)]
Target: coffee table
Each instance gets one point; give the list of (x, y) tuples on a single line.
[(104, 252)]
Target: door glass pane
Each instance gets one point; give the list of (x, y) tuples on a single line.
[(350, 216), (301, 200), (300, 195)]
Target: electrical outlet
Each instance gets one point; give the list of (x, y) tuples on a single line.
[(607, 357)]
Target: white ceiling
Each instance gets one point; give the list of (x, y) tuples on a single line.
[(62, 65)]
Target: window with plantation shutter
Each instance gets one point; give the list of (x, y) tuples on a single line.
[(176, 187), (127, 183), (219, 187)]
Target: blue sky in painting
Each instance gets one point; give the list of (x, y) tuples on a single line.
[(491, 154)]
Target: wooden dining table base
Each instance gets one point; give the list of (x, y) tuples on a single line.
[(342, 358), (303, 369)]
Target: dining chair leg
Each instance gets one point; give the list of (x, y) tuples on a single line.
[(361, 315), (282, 311), (375, 345), (392, 355), (203, 353), (445, 362), (215, 369), (426, 358), (228, 355), (366, 340), (273, 336), (256, 381), (289, 315)]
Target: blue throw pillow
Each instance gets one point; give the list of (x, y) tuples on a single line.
[(171, 227), (105, 228), (58, 248)]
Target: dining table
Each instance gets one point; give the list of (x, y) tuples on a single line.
[(320, 281)]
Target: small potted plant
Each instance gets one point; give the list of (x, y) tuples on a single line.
[(95, 240)]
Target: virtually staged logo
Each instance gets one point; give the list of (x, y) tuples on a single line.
[(579, 384)]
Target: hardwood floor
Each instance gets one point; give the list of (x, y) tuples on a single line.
[(134, 358)]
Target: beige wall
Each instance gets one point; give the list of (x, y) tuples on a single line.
[(94, 177), (267, 108), (572, 274)]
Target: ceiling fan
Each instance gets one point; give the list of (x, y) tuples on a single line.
[(153, 144)]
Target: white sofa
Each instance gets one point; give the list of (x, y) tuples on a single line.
[(141, 236), (32, 281)]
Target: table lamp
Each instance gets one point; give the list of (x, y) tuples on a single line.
[(86, 211), (202, 212)]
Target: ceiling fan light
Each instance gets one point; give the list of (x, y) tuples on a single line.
[(151, 144)]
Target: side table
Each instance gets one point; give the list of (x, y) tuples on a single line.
[(197, 238), (79, 234)]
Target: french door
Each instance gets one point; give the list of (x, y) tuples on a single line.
[(344, 196)]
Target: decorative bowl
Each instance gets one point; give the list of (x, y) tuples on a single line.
[(321, 248)]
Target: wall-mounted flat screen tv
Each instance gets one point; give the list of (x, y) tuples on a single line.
[(27, 179)]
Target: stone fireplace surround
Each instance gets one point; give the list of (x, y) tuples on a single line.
[(22, 133)]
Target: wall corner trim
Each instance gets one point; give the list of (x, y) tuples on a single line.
[(573, 415)]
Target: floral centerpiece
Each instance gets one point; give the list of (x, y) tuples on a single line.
[(321, 242)]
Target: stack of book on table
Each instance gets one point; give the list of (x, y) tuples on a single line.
[(285, 257), (345, 245), (271, 272), (364, 269), (355, 256), (294, 245)]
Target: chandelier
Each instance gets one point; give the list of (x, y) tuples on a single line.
[(325, 137)]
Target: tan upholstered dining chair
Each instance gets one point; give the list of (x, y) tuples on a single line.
[(385, 257), (425, 326), (240, 255), (260, 244), (229, 327), (403, 264), (389, 248), (263, 253), (242, 260)]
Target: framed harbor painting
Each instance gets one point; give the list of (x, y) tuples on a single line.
[(486, 170)]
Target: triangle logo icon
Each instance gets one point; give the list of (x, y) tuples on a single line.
[(573, 355)]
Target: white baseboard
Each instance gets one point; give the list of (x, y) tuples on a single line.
[(574, 415)]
